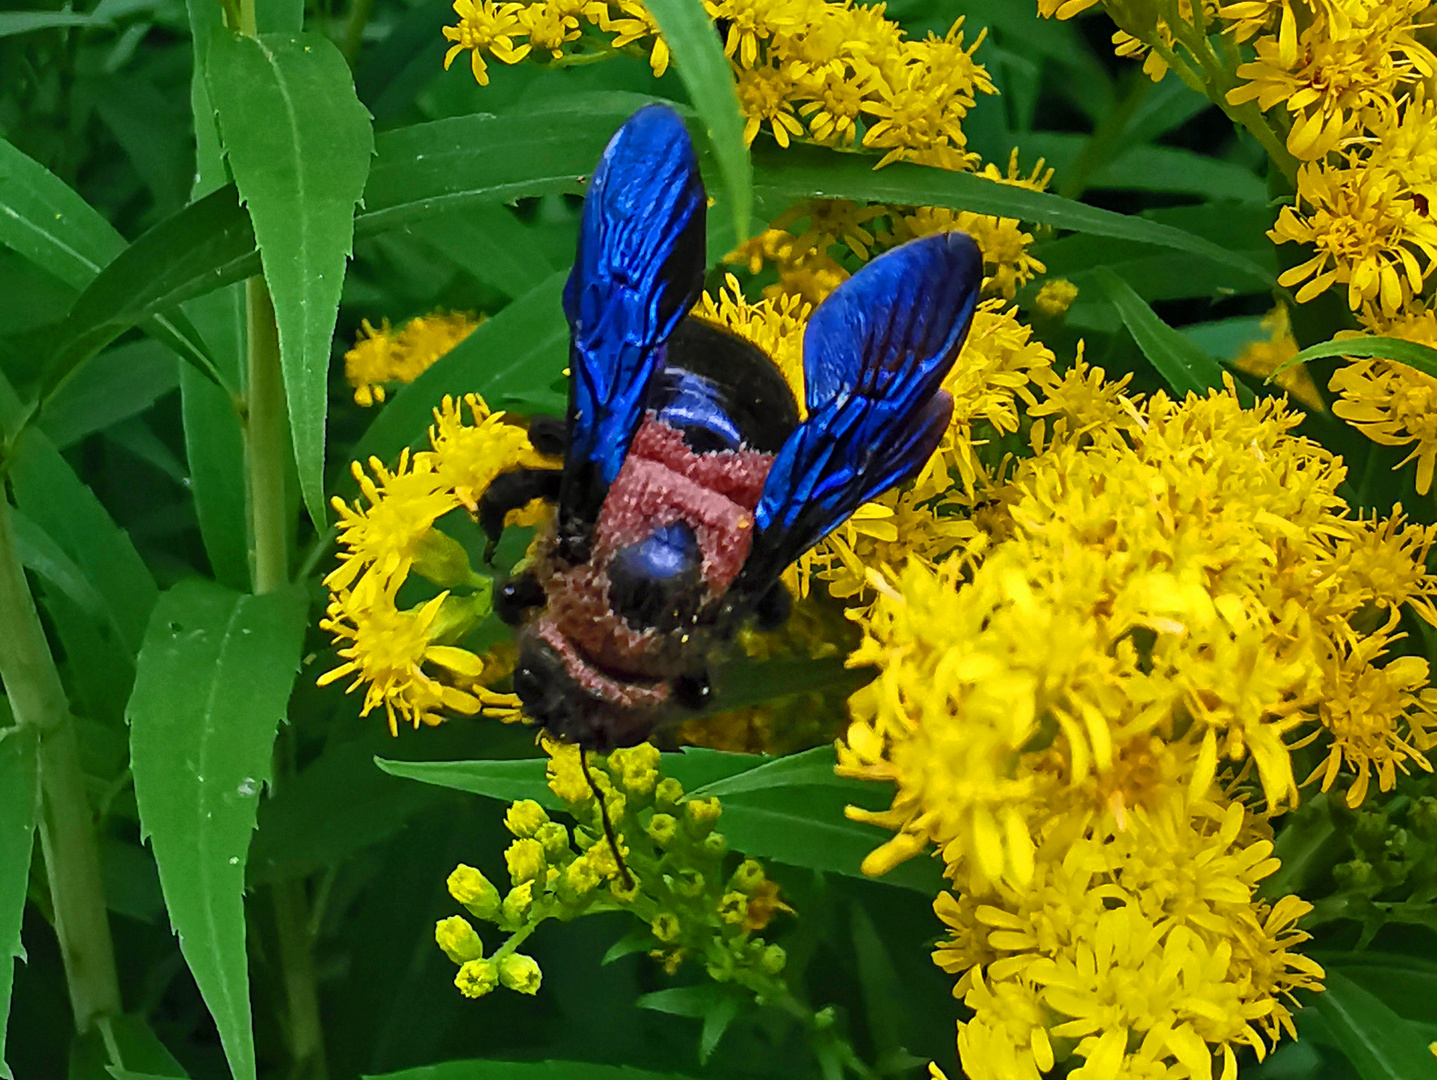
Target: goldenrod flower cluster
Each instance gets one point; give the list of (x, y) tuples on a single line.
[(1340, 93), (820, 71), (410, 659), (678, 878), (401, 356), (832, 73), (1091, 709)]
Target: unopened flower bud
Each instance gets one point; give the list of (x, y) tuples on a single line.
[(702, 814), (668, 792), (715, 845), (665, 926), (526, 860), (636, 768), (580, 878), (688, 883), (1055, 297), (476, 978), (517, 903), (554, 839), (748, 877), (661, 829), (474, 891), (458, 940), (520, 973), (733, 908), (525, 817), (773, 959)]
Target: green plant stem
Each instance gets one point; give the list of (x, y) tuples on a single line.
[(354, 29), (266, 444), (266, 441), (67, 825)]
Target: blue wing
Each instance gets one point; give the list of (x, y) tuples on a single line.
[(875, 355), (638, 271)]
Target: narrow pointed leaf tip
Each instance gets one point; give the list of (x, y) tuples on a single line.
[(299, 145)]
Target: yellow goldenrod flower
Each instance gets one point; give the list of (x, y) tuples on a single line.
[(385, 356), (485, 27), (525, 818), (1367, 233), (1391, 403)]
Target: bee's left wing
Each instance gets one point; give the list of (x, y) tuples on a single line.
[(638, 271), (875, 355)]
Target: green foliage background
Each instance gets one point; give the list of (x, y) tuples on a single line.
[(305, 896)]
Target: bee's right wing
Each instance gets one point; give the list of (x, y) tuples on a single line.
[(638, 271), (875, 355)]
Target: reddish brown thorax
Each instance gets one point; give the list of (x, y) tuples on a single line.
[(662, 481)]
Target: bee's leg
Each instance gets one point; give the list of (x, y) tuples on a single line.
[(510, 491), (516, 596), (548, 435), (693, 690), (773, 607)]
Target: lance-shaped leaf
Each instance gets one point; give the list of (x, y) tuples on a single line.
[(213, 680), (1378, 1042), (299, 143), (43, 219), (19, 790), (1181, 363)]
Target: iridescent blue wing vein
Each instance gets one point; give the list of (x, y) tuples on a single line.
[(875, 355), (639, 269)]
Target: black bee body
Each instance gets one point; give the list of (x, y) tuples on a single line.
[(689, 483)]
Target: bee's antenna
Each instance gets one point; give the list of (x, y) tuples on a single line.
[(624, 875)]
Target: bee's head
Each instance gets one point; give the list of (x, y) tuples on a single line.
[(555, 698)]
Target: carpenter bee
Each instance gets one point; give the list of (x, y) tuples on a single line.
[(689, 482)]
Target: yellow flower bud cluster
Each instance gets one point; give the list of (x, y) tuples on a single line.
[(696, 900), (411, 661)]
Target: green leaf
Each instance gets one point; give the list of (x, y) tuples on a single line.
[(1379, 1043), (40, 554), (808, 768), (1149, 168), (139, 1048), (48, 492), (214, 442), (42, 219), (506, 780), (1421, 357), (699, 59), (339, 804), (524, 1070), (716, 1004), (298, 142), (25, 22), (115, 386), (525, 345), (489, 242), (19, 804), (153, 274), (783, 177), (1184, 366), (213, 681)]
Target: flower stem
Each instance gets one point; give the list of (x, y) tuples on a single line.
[(266, 441), (266, 444), (67, 825)]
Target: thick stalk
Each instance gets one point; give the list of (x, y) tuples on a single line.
[(67, 827), (266, 445)]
